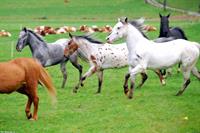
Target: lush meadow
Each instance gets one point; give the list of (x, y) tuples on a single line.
[(154, 108)]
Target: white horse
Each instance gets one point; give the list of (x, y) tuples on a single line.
[(101, 56), (145, 54)]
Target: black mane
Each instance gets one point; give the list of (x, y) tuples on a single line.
[(90, 39), (38, 37)]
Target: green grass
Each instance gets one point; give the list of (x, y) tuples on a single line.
[(154, 108), (191, 5)]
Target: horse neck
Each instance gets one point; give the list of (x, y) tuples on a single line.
[(134, 38), (35, 43), (87, 48), (164, 30)]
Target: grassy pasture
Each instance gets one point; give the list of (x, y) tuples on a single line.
[(154, 108)]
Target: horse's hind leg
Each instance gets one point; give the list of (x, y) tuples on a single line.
[(23, 90), (28, 107), (100, 80), (162, 80), (186, 74), (64, 73), (144, 78), (126, 83), (196, 73)]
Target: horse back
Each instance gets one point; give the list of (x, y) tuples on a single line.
[(178, 33)]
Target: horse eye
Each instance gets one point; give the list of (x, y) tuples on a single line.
[(118, 28)]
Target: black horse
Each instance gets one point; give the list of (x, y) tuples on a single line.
[(166, 31)]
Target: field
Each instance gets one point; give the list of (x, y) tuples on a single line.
[(154, 108)]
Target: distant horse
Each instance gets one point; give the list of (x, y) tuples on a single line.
[(101, 56), (22, 75), (47, 54), (166, 31), (145, 54)]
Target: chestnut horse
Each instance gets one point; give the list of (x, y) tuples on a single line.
[(22, 75)]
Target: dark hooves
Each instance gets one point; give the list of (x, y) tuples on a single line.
[(179, 93), (30, 116), (82, 84)]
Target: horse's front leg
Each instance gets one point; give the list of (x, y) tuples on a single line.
[(100, 80), (144, 78), (126, 83), (133, 72), (74, 60), (91, 71), (64, 73)]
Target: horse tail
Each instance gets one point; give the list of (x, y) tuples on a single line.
[(182, 32), (45, 80)]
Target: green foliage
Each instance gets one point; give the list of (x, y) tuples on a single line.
[(154, 108)]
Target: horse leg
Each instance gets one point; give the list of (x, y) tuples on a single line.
[(23, 90), (162, 80), (35, 100), (91, 71), (144, 78), (100, 80), (64, 73), (179, 68), (74, 62), (133, 72), (195, 72), (126, 83), (186, 74), (28, 107)]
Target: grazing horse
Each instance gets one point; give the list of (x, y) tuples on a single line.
[(22, 75), (101, 56), (166, 31), (47, 54), (146, 54)]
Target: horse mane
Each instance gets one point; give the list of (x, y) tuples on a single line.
[(90, 39), (37, 35), (139, 24)]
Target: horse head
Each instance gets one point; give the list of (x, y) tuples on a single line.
[(22, 40), (71, 47), (164, 25), (119, 30)]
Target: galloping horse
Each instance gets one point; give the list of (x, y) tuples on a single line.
[(145, 54), (47, 54), (22, 75), (101, 56)]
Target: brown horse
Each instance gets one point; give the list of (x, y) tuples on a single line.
[(22, 75)]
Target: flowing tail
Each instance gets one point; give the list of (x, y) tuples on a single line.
[(45, 80)]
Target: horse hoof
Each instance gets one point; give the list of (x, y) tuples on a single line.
[(29, 116), (163, 83), (33, 119), (75, 91), (179, 93), (82, 84), (130, 97), (98, 92)]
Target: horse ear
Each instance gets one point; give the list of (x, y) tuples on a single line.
[(160, 15), (70, 35), (24, 29), (168, 15), (126, 20)]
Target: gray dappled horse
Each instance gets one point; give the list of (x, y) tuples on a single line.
[(48, 54)]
